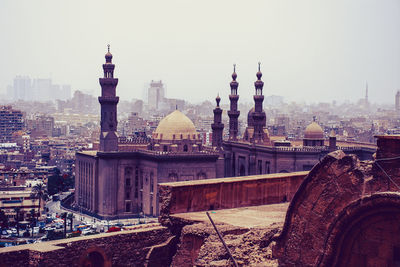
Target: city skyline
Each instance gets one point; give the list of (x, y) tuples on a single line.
[(309, 52)]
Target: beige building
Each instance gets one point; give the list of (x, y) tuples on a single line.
[(18, 197)]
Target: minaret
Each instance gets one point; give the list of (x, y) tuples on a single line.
[(233, 113), (108, 102), (258, 114), (217, 126), (332, 141)]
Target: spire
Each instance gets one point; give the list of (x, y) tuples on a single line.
[(366, 91), (217, 127), (108, 103), (233, 112)]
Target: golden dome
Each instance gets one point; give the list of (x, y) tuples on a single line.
[(175, 126), (314, 131)]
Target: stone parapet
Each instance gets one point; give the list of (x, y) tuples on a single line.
[(226, 193)]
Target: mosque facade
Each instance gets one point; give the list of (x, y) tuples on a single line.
[(121, 178)]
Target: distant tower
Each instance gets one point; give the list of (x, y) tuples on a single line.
[(108, 101), (233, 113), (258, 114), (217, 126), (398, 101), (366, 94)]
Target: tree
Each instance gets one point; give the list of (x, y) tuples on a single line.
[(3, 219), (39, 192), (32, 219), (54, 183)]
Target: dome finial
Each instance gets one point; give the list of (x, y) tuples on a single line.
[(108, 55), (218, 99), (259, 66), (234, 75)]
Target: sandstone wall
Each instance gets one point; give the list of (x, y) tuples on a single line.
[(228, 193)]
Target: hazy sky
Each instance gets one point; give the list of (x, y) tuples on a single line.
[(309, 50)]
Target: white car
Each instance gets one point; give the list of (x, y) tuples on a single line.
[(36, 230)]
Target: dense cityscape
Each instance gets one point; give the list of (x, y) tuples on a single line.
[(223, 134)]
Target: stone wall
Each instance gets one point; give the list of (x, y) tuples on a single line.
[(152, 246), (226, 193)]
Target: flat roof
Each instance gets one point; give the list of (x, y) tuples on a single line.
[(247, 217)]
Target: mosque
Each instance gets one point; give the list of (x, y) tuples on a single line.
[(121, 178)]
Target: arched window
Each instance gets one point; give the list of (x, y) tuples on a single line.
[(165, 148), (185, 148)]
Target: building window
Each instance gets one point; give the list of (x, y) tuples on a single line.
[(128, 182), (165, 148), (151, 182), (260, 167), (127, 207), (128, 195), (267, 170), (185, 148)]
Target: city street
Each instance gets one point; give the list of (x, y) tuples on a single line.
[(80, 218)]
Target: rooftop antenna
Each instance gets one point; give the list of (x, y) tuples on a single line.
[(108, 47)]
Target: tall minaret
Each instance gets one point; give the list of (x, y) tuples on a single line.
[(217, 126), (258, 114), (233, 113), (108, 101)]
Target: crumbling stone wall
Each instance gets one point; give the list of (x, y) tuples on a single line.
[(143, 247), (200, 246)]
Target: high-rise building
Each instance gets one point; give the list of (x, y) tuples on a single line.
[(398, 101), (21, 88), (11, 121), (155, 94)]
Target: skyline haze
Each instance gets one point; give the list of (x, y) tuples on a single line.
[(309, 51)]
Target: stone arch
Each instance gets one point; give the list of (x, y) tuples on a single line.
[(367, 225), (328, 193), (94, 257)]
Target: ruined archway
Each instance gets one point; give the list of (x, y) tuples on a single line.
[(366, 233), (94, 257), (341, 201)]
